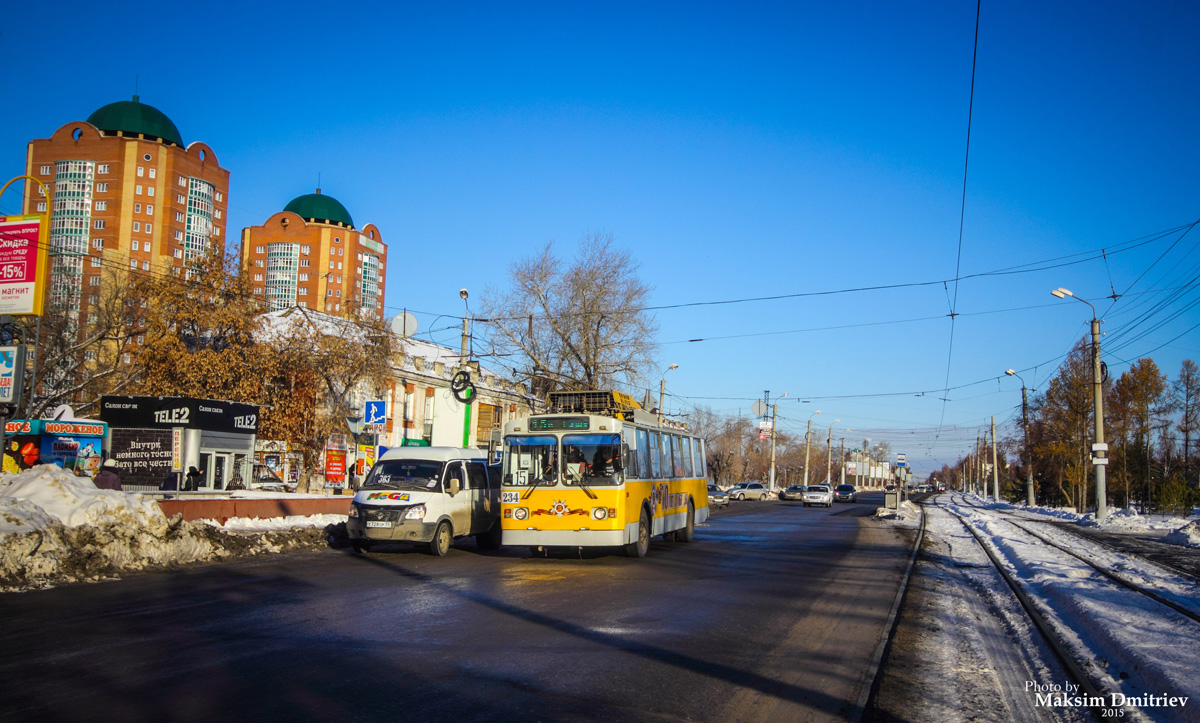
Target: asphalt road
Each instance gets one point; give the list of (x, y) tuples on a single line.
[(773, 613)]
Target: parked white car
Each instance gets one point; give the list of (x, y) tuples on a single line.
[(818, 495), (748, 491), (428, 496)]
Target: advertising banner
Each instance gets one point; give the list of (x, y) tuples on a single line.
[(22, 264), (335, 468)]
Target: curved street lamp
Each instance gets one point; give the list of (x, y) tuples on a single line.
[(662, 390), (1099, 449)]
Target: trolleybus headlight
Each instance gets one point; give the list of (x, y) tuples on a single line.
[(521, 513), (599, 513), (416, 512)]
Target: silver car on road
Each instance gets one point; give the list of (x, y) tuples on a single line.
[(818, 495)]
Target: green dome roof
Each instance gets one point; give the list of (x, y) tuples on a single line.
[(133, 117), (322, 208)]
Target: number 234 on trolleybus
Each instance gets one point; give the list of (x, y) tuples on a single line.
[(598, 471)]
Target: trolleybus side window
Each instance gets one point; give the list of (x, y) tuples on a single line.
[(629, 437), (669, 464), (529, 459), (643, 454), (701, 465), (655, 456), (687, 456)]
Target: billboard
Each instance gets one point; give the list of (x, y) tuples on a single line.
[(22, 264)]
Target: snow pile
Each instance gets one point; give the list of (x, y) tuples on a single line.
[(263, 524), (1188, 535), (908, 513), (55, 527)]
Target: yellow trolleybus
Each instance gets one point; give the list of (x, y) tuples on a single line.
[(599, 471)]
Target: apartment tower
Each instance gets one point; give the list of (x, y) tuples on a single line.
[(124, 192), (310, 254)]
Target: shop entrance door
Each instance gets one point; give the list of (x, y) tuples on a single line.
[(220, 470)]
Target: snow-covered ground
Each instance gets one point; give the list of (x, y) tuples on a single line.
[(967, 651), (56, 527)]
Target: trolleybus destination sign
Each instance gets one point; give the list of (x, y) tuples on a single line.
[(22, 264)]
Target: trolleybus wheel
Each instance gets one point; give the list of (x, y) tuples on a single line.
[(688, 533), (641, 546), (440, 544)]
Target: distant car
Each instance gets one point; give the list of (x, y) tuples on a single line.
[(890, 488), (793, 492), (845, 493), (748, 490), (717, 497), (818, 495)]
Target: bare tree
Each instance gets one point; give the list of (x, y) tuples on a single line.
[(1186, 391), (577, 324), (77, 357)]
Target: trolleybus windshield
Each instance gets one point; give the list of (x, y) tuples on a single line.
[(593, 459), (531, 460)]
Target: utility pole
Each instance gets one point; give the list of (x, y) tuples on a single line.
[(995, 466), (1099, 449), (774, 411), (843, 458), (807, 442), (829, 455)]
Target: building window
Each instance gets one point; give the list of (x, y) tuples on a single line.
[(125, 358), (138, 189), (304, 277), (179, 216), (149, 228), (42, 206), (98, 223), (133, 264), (93, 281), (149, 209), (177, 253), (183, 181), (137, 226), (305, 249), (179, 198), (46, 170), (304, 262), (153, 172), (219, 196), (216, 213), (135, 246), (179, 235), (102, 168), (101, 205), (260, 249), (258, 277), (137, 208), (145, 266), (141, 171), (216, 230), (92, 318), (96, 263), (94, 299), (89, 356), (150, 192), (260, 263), (337, 239), (101, 188), (303, 291), (98, 243)]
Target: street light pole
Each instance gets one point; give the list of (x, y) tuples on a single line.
[(1029, 494), (842, 473), (829, 453), (1099, 449), (995, 467)]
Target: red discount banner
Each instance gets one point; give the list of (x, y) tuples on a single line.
[(22, 265)]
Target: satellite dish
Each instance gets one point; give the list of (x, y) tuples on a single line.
[(404, 325), (759, 409)]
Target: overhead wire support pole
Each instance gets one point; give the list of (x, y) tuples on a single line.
[(995, 467)]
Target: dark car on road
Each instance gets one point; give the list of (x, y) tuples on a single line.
[(845, 493), (793, 492)]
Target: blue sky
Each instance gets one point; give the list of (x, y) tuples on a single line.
[(738, 150)]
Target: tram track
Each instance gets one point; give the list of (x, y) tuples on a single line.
[(1044, 627)]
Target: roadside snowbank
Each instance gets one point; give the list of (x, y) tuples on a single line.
[(1188, 535), (909, 514), (55, 528)]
